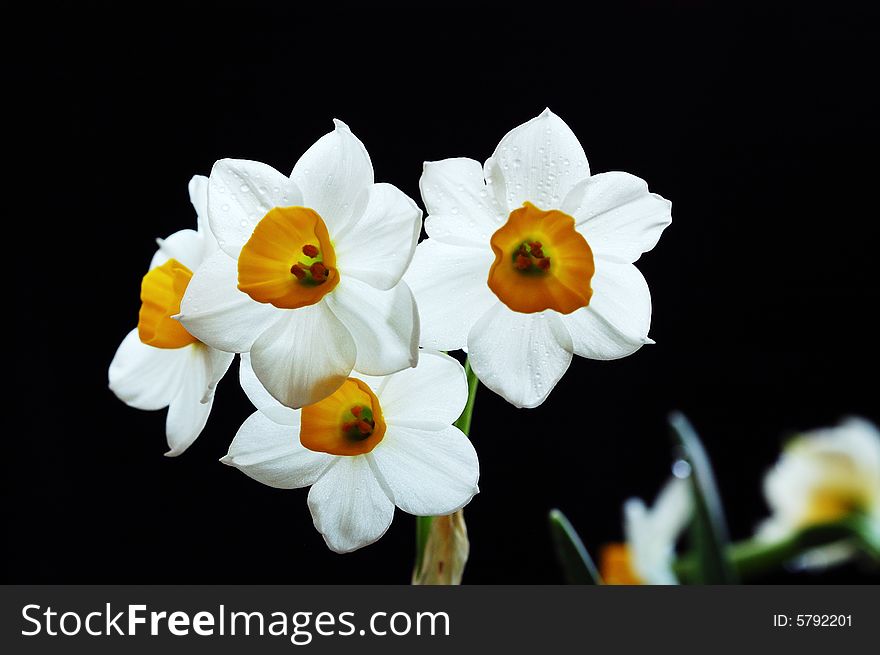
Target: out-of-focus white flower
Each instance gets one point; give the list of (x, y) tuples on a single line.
[(376, 442), (307, 278), (159, 364), (530, 260), (824, 476), (651, 535)]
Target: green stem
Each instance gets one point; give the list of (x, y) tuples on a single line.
[(752, 558), (423, 523)]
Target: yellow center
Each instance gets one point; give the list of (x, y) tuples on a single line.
[(616, 565), (541, 262), (349, 422), (161, 292), (289, 261)]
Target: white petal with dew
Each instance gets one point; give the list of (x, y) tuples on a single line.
[(383, 324), (539, 161), (519, 356), (450, 287), (376, 246), (187, 414), (617, 320), (145, 377), (430, 396), (349, 506), (214, 311), (305, 356), (332, 173), (429, 473), (272, 454), (240, 193), (461, 210), (262, 399), (617, 215)]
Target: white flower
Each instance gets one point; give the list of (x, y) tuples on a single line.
[(651, 535), (159, 364), (530, 258), (307, 278), (375, 443), (823, 476)]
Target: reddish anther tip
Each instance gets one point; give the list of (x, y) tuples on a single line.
[(348, 425), (310, 251), (536, 250), (522, 262), (357, 410), (318, 271), (544, 264), (297, 271), (364, 427)]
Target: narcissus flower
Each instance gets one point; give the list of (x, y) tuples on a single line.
[(651, 535), (530, 260), (824, 476), (307, 278), (376, 442), (159, 364)]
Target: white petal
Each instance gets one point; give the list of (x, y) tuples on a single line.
[(272, 454), (218, 363), (540, 161), (305, 356), (186, 246), (673, 509), (430, 396), (429, 473), (378, 243), (332, 173), (450, 287), (617, 215), (240, 194), (617, 320), (145, 377), (217, 313), (384, 325), (519, 356), (349, 507), (262, 399), (462, 212), (187, 414), (198, 196)]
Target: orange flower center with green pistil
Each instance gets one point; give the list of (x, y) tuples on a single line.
[(616, 565), (348, 422), (162, 290), (541, 262), (289, 261)]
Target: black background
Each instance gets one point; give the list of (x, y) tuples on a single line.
[(759, 125)]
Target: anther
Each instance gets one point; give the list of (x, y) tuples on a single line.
[(298, 271), (310, 251), (364, 427), (522, 262), (357, 410), (318, 271), (544, 264), (535, 249)]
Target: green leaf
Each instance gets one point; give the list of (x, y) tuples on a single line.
[(709, 528), (577, 566)]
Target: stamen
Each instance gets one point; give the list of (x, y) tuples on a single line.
[(318, 271), (357, 411), (522, 261), (544, 264), (298, 271), (535, 249), (364, 427), (310, 250)]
